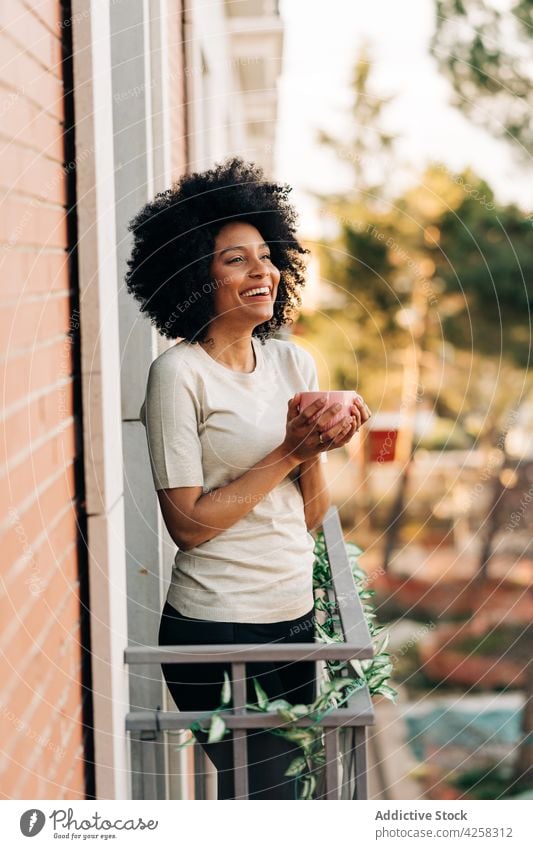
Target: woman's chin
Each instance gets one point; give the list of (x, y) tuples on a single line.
[(263, 312), (267, 315)]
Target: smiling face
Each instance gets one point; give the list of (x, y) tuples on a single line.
[(241, 264)]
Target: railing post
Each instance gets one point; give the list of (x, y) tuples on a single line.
[(240, 754), (331, 748), (149, 740), (149, 767), (361, 789), (199, 772)]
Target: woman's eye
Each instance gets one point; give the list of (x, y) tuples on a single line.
[(265, 256)]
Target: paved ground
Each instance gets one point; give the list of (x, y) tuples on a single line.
[(389, 758)]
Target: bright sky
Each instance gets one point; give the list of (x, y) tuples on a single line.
[(321, 45)]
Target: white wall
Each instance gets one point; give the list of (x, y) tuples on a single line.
[(100, 368), (215, 112)]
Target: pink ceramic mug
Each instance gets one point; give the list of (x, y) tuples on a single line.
[(344, 397)]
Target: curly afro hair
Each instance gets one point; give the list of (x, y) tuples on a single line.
[(174, 240)]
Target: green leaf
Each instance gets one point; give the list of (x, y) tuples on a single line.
[(296, 767), (279, 704), (340, 683), (226, 690), (382, 664), (292, 712), (302, 736), (217, 729), (262, 698), (376, 681), (383, 643), (356, 664), (326, 638), (287, 714), (388, 692), (300, 710), (308, 787)]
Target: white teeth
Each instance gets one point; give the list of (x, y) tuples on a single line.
[(263, 291)]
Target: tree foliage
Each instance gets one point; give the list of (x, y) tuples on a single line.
[(448, 236), (484, 253), (485, 51), (367, 146)]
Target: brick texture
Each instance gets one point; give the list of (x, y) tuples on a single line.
[(40, 656)]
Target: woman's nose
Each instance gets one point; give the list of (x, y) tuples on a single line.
[(259, 268)]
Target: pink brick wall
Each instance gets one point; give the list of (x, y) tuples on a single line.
[(40, 707)]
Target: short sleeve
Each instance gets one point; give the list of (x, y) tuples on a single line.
[(171, 415), (311, 378)]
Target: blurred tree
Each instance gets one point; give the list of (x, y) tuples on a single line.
[(367, 148), (468, 256), (483, 252), (478, 259), (485, 51), (472, 258), (356, 259)]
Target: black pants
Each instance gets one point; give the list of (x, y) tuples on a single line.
[(198, 687)]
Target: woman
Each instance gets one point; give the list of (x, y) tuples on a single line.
[(216, 264)]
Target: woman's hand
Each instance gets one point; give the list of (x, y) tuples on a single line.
[(359, 414), (306, 433)]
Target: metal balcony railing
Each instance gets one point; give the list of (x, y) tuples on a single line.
[(345, 773)]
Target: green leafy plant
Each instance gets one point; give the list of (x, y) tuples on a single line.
[(376, 671), (342, 679)]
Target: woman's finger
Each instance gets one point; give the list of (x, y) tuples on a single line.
[(364, 409), (311, 411), (327, 414), (337, 429), (356, 413), (367, 408), (351, 428), (294, 404)]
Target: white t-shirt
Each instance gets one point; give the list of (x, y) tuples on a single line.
[(207, 425)]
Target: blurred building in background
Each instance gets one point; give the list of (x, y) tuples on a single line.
[(102, 106)]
